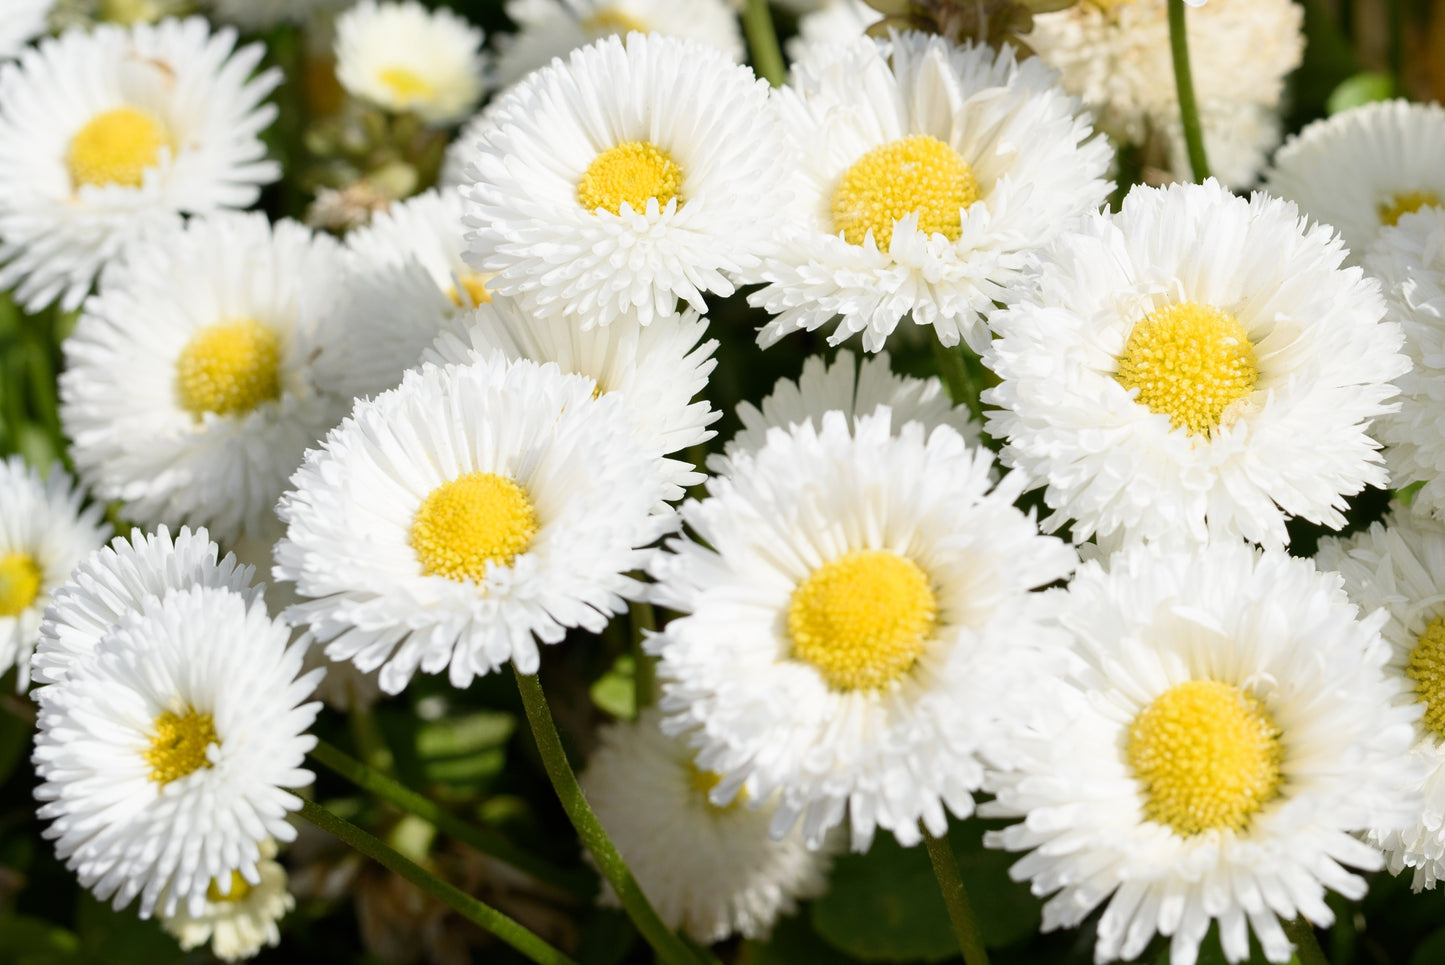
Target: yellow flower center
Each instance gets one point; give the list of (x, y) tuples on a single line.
[(610, 20), (1208, 755), (1405, 203), (862, 619), (178, 746), (1426, 667), (115, 147), (633, 172), (473, 520), (1190, 362), (475, 286), (19, 583), (240, 888), (704, 781), (406, 85), (229, 368), (919, 173)]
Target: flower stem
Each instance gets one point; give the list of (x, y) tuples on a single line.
[(669, 947), (644, 674), (1307, 946), (1184, 84), (483, 840), (763, 42), (482, 915), (962, 387), (945, 869)]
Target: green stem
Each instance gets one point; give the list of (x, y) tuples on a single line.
[(486, 841), (962, 387), (482, 915), (1184, 83), (669, 947), (644, 672), (965, 929), (1307, 946), (763, 42)]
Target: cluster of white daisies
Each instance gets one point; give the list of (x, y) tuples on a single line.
[(471, 427)]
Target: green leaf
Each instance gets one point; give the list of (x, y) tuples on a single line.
[(1431, 950), (791, 943), (1407, 495), (33, 941), (1007, 913), (1362, 88), (615, 692), (110, 937), (466, 749), (885, 905)]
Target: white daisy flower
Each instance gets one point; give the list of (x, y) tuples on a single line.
[(548, 29), (851, 388), (188, 389), (405, 58), (656, 370), (463, 150), (241, 923), (1398, 565), (710, 870), (1225, 730), (115, 581), (462, 517), (1115, 55), (108, 135), (926, 175), (24, 20), (405, 280), (1196, 367), (1409, 261), (1362, 169), (165, 755), (832, 23), (344, 688), (44, 533), (599, 191), (855, 624)]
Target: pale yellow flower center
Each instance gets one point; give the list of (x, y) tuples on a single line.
[(19, 583), (634, 172), (862, 619), (406, 85), (229, 368), (1189, 362), (240, 888), (178, 745), (475, 286), (1209, 757), (704, 781), (1426, 667), (1406, 202), (917, 174), (115, 147), (473, 520), (610, 20)]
